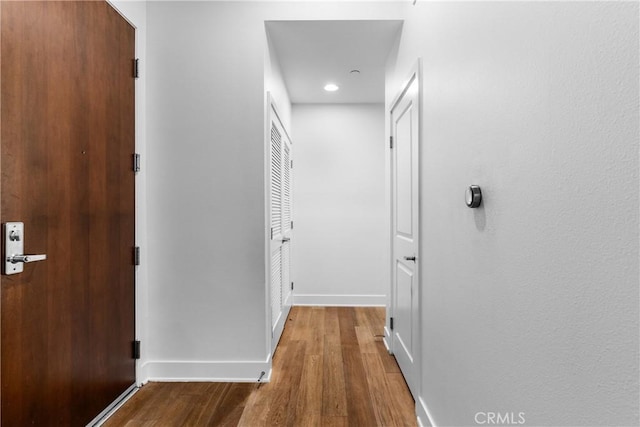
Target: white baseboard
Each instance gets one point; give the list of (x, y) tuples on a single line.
[(422, 413), (340, 300), (386, 340), (142, 377), (205, 371)]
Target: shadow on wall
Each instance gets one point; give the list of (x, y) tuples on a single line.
[(480, 216)]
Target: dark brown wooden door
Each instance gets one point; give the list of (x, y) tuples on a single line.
[(67, 139)]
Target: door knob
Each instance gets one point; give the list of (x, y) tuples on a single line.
[(285, 239), (14, 259), (410, 258)]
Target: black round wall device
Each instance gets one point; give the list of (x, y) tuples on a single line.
[(473, 196)]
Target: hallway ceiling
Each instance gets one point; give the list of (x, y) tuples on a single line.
[(314, 53)]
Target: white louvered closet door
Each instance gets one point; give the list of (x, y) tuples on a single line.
[(280, 223), (276, 223)]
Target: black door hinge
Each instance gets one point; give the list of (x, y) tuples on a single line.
[(136, 68), (291, 164), (136, 255), (136, 350), (291, 285), (292, 225), (391, 142), (136, 162), (391, 323), (271, 233)]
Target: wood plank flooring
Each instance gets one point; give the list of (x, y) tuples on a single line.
[(330, 369)]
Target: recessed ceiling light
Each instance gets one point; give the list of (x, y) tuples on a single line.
[(331, 87)]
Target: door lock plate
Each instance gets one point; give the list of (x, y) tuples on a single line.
[(14, 256), (13, 245)]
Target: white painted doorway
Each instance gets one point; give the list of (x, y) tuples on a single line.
[(280, 222), (405, 230)]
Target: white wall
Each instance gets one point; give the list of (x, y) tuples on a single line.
[(206, 195), (531, 301), (275, 85), (339, 206), (136, 13), (206, 216)]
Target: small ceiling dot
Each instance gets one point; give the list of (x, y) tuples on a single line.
[(354, 72)]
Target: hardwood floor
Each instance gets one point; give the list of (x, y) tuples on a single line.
[(330, 369)]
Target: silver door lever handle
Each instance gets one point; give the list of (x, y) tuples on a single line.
[(285, 239), (14, 259), (410, 258)]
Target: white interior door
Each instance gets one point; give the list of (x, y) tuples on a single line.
[(405, 232), (280, 212)]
